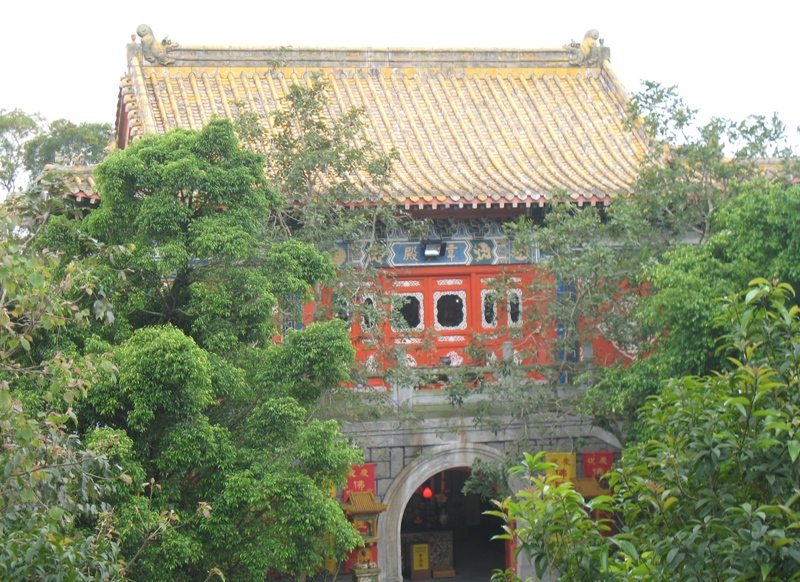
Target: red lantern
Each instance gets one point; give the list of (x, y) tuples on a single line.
[(427, 493)]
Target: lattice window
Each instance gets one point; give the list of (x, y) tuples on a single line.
[(291, 313), (410, 310), (449, 308), (488, 308), (514, 307)]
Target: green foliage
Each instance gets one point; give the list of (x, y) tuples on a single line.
[(753, 233), (296, 527), (691, 170), (586, 282), (553, 526), (194, 205), (42, 293), (62, 140), (164, 378), (28, 144), (53, 522), (712, 494), (324, 166), (54, 519), (16, 128), (224, 471), (488, 480), (229, 475), (708, 185), (309, 361), (759, 231)]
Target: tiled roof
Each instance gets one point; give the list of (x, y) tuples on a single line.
[(589, 487), (76, 182), (362, 502), (473, 127)]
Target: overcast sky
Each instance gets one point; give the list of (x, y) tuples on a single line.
[(730, 59)]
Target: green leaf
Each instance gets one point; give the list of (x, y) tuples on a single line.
[(56, 513), (794, 449), (36, 279), (627, 547), (670, 502)]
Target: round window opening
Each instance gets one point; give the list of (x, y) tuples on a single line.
[(450, 310)]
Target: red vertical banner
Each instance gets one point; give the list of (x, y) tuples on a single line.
[(362, 479), (597, 464)]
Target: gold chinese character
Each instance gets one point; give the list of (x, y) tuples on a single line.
[(338, 255), (376, 253), (520, 254), (364, 473), (410, 254), (451, 252), (360, 485), (483, 252)]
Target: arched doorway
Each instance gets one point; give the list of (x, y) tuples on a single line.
[(454, 528), (431, 463)]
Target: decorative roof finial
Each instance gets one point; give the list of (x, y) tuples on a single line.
[(152, 50), (587, 52)]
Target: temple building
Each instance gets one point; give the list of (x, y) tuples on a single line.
[(483, 137)]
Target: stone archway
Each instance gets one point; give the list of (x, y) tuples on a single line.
[(433, 461)]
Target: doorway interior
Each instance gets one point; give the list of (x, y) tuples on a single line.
[(454, 527)]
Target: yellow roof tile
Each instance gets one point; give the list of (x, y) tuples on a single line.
[(471, 126), (362, 502), (74, 181)]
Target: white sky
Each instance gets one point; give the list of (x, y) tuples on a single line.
[(730, 59)]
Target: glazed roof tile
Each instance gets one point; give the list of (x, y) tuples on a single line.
[(361, 503), (471, 126), (589, 487), (74, 181)]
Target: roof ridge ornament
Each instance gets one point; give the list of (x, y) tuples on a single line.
[(152, 50), (587, 52)]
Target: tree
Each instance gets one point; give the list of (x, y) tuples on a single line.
[(753, 232), (28, 143), (712, 494), (16, 128), (738, 214), (690, 170), (332, 179), (580, 293), (617, 279), (54, 520), (327, 168), (62, 141), (217, 412)]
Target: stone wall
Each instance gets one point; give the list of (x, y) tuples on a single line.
[(406, 454)]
